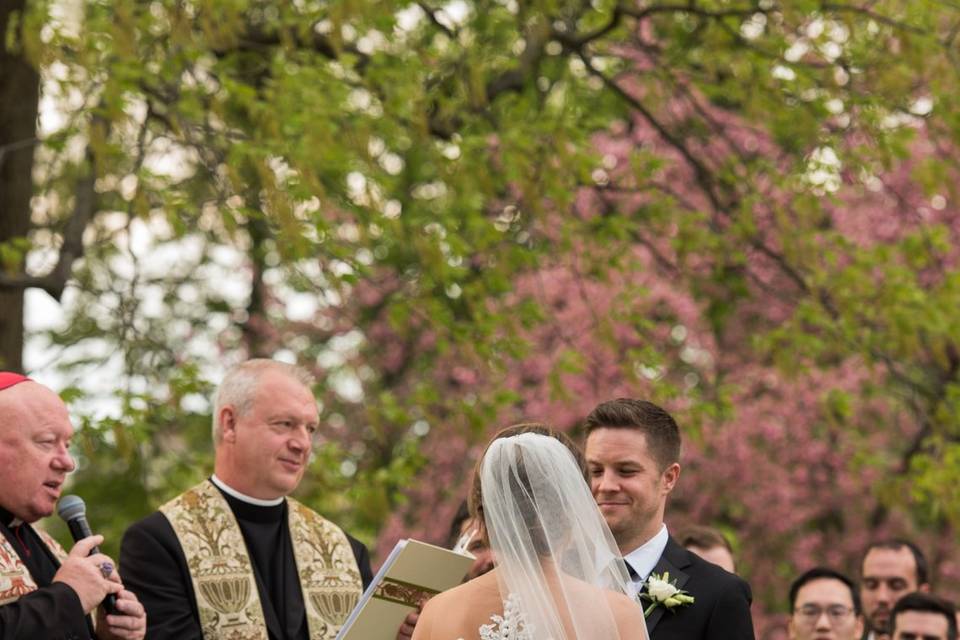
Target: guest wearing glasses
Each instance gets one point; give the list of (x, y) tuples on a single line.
[(824, 605)]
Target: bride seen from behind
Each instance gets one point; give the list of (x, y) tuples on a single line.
[(558, 575)]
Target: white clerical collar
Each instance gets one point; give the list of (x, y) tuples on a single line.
[(8, 519), (645, 558), (230, 491)]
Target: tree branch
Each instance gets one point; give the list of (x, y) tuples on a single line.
[(432, 15), (690, 8), (515, 79), (703, 175), (589, 37), (84, 208), (255, 37), (890, 22)]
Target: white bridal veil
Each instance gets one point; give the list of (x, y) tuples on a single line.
[(554, 551)]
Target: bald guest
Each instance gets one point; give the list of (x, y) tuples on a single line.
[(44, 591)]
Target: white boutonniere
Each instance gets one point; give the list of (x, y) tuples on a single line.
[(661, 592)]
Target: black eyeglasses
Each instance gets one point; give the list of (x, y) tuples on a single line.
[(810, 613)]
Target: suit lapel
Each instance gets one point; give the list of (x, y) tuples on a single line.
[(673, 560)]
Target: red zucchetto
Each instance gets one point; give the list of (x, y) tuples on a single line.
[(8, 379)]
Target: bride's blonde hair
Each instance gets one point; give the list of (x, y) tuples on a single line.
[(475, 499)]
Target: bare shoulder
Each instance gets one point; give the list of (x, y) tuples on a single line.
[(484, 585), (629, 616), (466, 606), (627, 613), (445, 598), (620, 603)]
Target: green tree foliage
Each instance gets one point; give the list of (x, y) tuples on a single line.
[(377, 188)]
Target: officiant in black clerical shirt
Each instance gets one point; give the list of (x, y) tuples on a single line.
[(234, 557), (45, 592)]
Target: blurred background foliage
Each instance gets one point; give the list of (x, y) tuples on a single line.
[(463, 214)]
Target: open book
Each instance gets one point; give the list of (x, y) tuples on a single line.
[(412, 572)]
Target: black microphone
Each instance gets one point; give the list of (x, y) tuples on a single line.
[(74, 512)]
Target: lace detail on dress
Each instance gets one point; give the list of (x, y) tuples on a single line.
[(512, 625)]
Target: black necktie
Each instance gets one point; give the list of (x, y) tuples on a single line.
[(632, 572)]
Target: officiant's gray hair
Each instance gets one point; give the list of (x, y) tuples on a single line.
[(475, 499), (239, 386)]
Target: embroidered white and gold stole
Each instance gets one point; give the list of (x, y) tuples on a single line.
[(222, 572), (15, 578)]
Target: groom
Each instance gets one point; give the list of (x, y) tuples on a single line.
[(633, 452)]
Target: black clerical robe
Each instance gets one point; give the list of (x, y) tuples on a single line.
[(54, 610), (153, 566)]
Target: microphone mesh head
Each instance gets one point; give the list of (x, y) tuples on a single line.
[(71, 507)]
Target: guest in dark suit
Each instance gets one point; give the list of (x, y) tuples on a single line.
[(235, 557), (44, 592), (633, 452)]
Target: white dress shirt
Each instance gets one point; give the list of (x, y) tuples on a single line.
[(644, 558)]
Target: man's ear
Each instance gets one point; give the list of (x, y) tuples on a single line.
[(670, 476), (227, 419), (858, 630), (481, 533)]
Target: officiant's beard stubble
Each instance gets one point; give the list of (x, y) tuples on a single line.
[(628, 484)]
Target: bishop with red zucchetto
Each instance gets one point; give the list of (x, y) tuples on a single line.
[(46, 592)]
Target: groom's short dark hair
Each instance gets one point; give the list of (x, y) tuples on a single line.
[(661, 430)]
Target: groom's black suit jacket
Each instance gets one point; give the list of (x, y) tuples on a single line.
[(721, 607)]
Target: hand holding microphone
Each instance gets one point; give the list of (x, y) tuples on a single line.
[(90, 573)]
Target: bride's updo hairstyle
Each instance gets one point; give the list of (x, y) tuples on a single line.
[(555, 556), (522, 486)]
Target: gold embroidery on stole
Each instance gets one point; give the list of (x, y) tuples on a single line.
[(222, 573), (329, 577), (15, 578)]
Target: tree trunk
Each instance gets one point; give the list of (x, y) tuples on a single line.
[(19, 101)]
